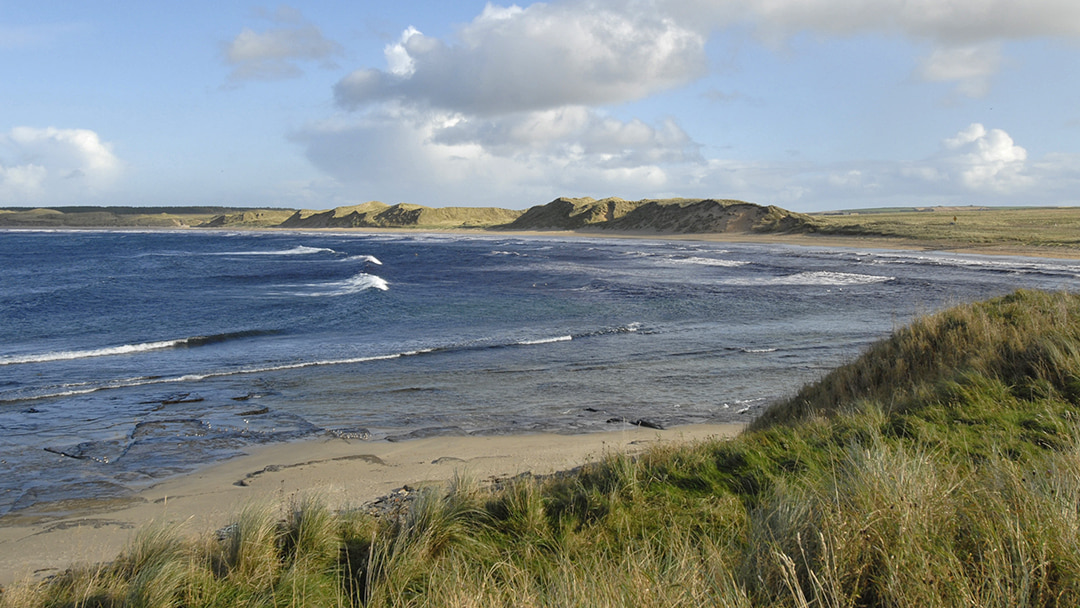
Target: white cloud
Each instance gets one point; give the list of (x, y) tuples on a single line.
[(64, 166), (986, 160), (511, 102), (398, 60), (573, 131), (969, 66), (541, 57), (276, 53), (408, 155), (442, 158), (975, 166)]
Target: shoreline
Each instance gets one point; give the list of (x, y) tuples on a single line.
[(799, 240), (348, 474), (345, 474)]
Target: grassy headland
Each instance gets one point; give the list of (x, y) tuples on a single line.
[(941, 468), (1040, 231)]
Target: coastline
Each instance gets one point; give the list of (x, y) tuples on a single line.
[(342, 473), (349, 474), (796, 239), (801, 240)]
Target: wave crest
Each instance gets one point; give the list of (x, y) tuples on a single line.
[(817, 277), (126, 349), (298, 250), (354, 284)]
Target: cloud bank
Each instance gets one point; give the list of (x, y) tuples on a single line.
[(516, 106)]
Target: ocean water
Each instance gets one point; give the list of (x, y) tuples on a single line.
[(127, 357)]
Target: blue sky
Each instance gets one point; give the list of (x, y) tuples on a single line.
[(806, 104)]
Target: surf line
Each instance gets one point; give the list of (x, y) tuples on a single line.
[(127, 349), (149, 381)]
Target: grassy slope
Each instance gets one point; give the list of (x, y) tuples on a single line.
[(942, 468)]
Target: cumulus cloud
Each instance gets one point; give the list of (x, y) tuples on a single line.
[(276, 53), (986, 160), (541, 57), (53, 165)]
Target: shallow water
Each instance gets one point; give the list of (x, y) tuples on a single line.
[(129, 356)]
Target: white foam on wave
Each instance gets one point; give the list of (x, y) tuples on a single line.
[(69, 355), (370, 259), (354, 284), (71, 390), (758, 350), (1004, 263), (298, 250), (817, 277), (710, 262), (546, 340)]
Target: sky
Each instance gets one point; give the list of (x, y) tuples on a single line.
[(810, 105)]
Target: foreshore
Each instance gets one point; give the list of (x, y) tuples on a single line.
[(801, 240), (342, 473), (1062, 252)]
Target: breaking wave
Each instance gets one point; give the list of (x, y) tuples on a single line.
[(298, 250), (820, 277), (354, 284), (84, 388), (126, 349), (710, 262), (370, 259), (546, 340)]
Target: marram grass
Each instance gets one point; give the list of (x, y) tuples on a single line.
[(942, 468)]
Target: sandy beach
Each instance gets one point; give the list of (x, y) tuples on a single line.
[(343, 473)]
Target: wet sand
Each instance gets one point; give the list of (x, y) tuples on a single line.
[(343, 473)]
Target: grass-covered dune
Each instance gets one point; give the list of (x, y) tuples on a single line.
[(136, 217), (667, 216), (941, 468), (375, 214)]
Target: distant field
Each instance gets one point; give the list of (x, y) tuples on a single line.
[(1057, 227)]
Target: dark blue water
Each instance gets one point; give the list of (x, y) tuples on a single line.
[(126, 357)]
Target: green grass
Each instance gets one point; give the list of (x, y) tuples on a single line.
[(941, 468), (1042, 227)]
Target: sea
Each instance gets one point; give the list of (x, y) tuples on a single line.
[(127, 357)]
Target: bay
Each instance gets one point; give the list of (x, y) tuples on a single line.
[(127, 357)]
